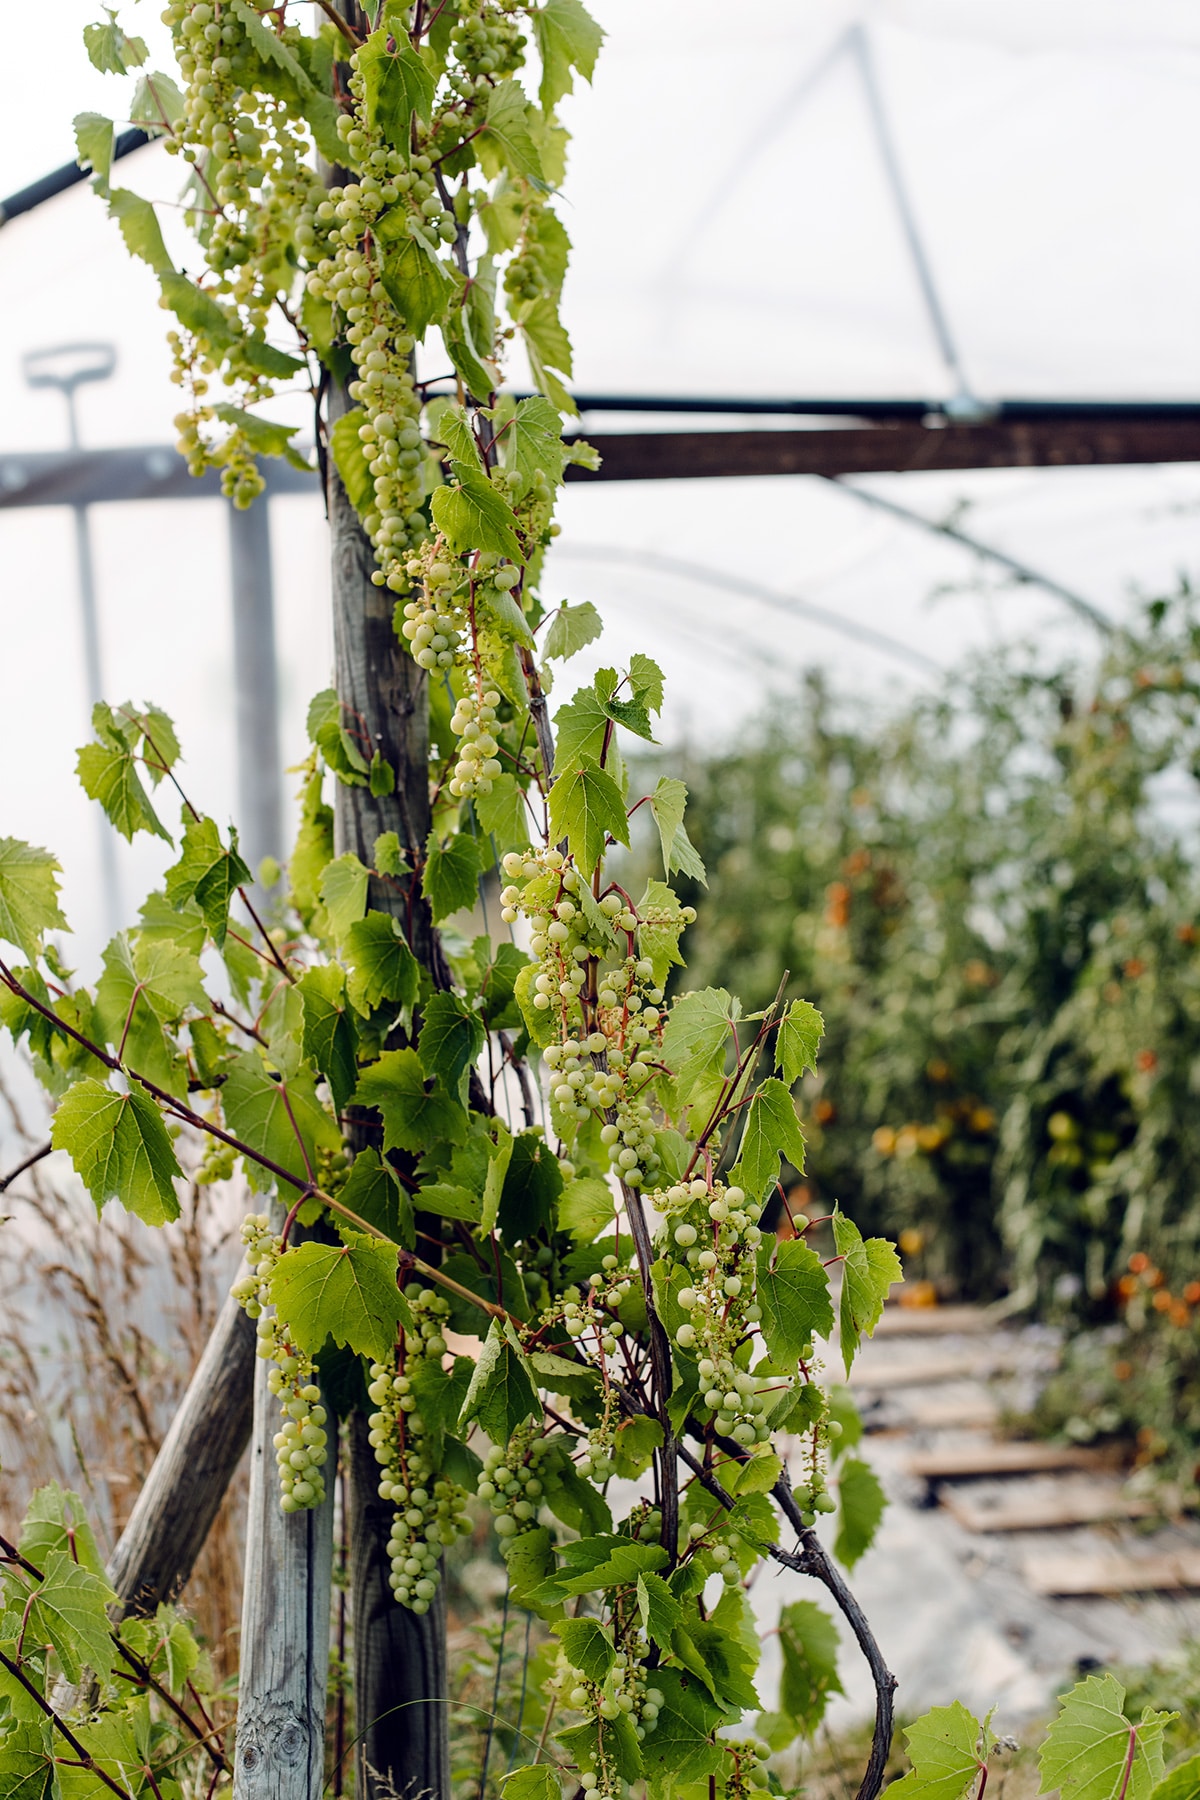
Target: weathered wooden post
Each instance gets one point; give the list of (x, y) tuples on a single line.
[(285, 1628), (399, 1658)]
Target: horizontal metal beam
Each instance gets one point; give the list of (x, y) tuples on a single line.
[(157, 472), (900, 448), (58, 180)]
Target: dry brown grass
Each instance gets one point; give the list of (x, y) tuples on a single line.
[(101, 1325)]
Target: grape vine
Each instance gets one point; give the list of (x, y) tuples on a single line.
[(650, 1354)]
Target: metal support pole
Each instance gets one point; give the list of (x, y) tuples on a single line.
[(256, 684)]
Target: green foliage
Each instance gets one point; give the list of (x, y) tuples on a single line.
[(207, 873), (345, 1291), (861, 1502), (28, 895), (949, 1750), (351, 1013), (120, 1148), (1093, 1752)]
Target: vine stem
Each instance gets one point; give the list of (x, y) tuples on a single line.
[(35, 1156), (813, 1559), (141, 1670), (660, 1364), (86, 1760), (307, 1189)]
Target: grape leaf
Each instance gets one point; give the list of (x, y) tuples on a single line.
[(800, 1031), (108, 773), (450, 881), (697, 1034), (634, 1444), (474, 365), (579, 727), (350, 458), (1087, 1748), (948, 1748), (862, 1501), (373, 1192), (537, 1781), (503, 1393), (158, 105), (660, 1611), (667, 805), (110, 50), (208, 874), (588, 1647), (382, 967), (502, 813), (120, 1148), (396, 84), (1182, 1783), (772, 1129), (329, 1037), (55, 1523), (389, 858), (571, 627), (585, 1208), (344, 893), (506, 134), (282, 1120), (662, 923), (567, 38), (28, 895), (793, 1292), (723, 1664), (266, 436), (196, 310), (140, 228), (619, 1565), (808, 1641), (94, 143), (414, 1118), (586, 807), (418, 285), (451, 1040), (680, 1748), (534, 445), (26, 1769), (868, 1271), (67, 1611), (474, 515), (646, 681), (344, 1291)]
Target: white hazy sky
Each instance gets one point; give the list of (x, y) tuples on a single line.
[(734, 234)]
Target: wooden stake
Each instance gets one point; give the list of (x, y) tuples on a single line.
[(174, 1511), (398, 1658), (285, 1627)]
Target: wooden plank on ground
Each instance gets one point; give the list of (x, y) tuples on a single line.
[(959, 1462), (934, 1411), (930, 1321), (925, 1371), (1111, 1574), (1070, 1502)]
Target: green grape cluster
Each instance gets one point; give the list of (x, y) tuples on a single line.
[(300, 1441), (253, 179), (623, 1690), (478, 765), (217, 1163), (509, 1481), (708, 1228), (429, 1507), (748, 1773), (720, 1554)]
